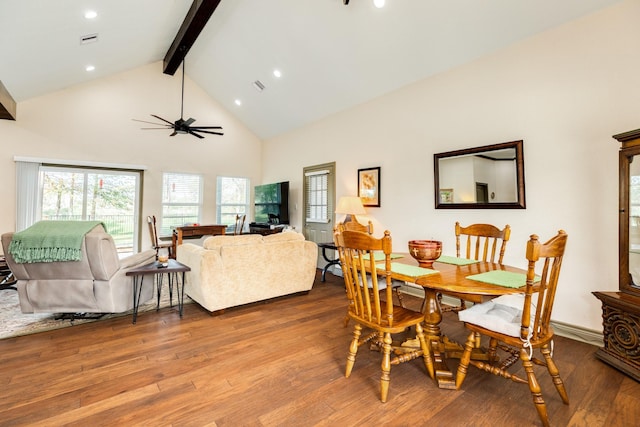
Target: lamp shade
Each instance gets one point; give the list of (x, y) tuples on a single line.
[(350, 205)]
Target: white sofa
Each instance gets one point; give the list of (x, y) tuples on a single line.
[(227, 271)]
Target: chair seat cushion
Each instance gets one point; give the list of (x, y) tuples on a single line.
[(382, 283), (502, 314)]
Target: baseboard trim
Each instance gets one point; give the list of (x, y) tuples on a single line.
[(588, 336)]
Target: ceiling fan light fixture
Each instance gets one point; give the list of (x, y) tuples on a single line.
[(182, 126)]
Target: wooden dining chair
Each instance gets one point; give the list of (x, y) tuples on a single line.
[(239, 224), (354, 225), (482, 242), (155, 243), (380, 317), (520, 323)]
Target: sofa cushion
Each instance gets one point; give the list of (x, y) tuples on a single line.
[(216, 242), (285, 236)]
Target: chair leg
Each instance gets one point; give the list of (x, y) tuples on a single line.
[(555, 374), (534, 387), (400, 300), (353, 349), (464, 360), (386, 367), (346, 321)]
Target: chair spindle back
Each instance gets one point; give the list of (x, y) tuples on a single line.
[(481, 241)]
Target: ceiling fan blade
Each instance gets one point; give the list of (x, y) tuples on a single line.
[(206, 127), (194, 134), (151, 123), (189, 121), (209, 131), (160, 118), (162, 128), (174, 133)]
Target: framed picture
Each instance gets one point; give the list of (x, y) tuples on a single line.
[(369, 186), (446, 195)]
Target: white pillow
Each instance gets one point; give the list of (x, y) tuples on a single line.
[(502, 314)]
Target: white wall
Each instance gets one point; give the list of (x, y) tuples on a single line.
[(93, 122), (564, 92)]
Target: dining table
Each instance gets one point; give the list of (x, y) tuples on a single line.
[(478, 281)]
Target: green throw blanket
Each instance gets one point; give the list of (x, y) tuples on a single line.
[(50, 241)]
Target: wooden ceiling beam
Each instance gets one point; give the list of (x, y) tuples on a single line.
[(7, 104), (194, 22)]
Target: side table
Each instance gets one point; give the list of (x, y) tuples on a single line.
[(156, 270), (330, 262)]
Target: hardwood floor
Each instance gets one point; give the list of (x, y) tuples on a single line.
[(275, 364)]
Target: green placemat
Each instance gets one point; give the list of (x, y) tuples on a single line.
[(455, 260), (379, 256), (508, 279), (408, 270)]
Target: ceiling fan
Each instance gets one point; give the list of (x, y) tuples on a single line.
[(181, 125)]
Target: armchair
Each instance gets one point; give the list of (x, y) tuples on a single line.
[(95, 284)]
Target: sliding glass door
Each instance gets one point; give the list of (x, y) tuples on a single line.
[(110, 196)]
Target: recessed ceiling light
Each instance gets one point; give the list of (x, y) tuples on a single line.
[(90, 68), (277, 73), (378, 3), (90, 14), (238, 102)]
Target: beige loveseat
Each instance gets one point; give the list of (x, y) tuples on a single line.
[(228, 271), (95, 284)]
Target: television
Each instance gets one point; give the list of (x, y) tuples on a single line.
[(272, 203)]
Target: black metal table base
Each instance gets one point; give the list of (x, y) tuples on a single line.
[(172, 278), (172, 270), (330, 262)]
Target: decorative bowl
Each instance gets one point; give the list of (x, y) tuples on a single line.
[(425, 251)]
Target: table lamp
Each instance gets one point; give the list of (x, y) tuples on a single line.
[(350, 206)]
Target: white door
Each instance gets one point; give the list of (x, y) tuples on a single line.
[(319, 206)]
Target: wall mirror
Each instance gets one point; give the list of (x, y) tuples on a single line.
[(488, 177)]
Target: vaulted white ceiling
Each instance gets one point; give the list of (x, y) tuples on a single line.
[(331, 56)]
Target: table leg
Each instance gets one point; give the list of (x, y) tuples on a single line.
[(158, 290), (137, 293), (432, 319), (180, 290), (170, 279)]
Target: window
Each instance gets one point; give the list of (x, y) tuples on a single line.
[(110, 196), (316, 189), (232, 198), (181, 201)]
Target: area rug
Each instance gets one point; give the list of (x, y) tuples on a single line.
[(14, 323)]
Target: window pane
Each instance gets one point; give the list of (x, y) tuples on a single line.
[(109, 196), (232, 198), (181, 188), (317, 191), (181, 201)]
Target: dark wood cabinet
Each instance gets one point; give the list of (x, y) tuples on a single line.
[(621, 310)]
